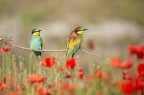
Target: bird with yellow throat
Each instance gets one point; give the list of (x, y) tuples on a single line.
[(74, 41), (36, 42)]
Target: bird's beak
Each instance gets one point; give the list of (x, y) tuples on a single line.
[(85, 29), (40, 30)]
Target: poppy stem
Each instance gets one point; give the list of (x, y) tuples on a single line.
[(142, 93)]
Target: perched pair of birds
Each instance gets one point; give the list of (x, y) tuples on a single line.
[(74, 41)]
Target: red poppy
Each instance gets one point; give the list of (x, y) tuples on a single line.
[(62, 93), (36, 78), (67, 86), (90, 77), (140, 69), (8, 78), (41, 92), (100, 93), (70, 63), (48, 93), (91, 44), (48, 62), (6, 93), (80, 69), (100, 74), (11, 87), (127, 76), (20, 86), (80, 75), (115, 62), (126, 64), (126, 87), (139, 82), (5, 79), (2, 86), (38, 89), (16, 92), (137, 50), (54, 90), (5, 49), (67, 76), (60, 68)]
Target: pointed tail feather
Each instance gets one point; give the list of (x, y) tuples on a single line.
[(37, 53), (68, 54)]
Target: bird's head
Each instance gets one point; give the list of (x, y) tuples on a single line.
[(36, 32), (80, 30)]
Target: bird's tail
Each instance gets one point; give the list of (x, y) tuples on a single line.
[(68, 54), (38, 54)]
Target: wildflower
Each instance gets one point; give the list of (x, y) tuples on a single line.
[(20, 86), (36, 78), (80, 75), (127, 76), (5, 49), (139, 83), (67, 76), (5, 79), (126, 64), (8, 78), (62, 93), (11, 87), (137, 50), (53, 84), (48, 62), (126, 87), (6, 93), (100, 74), (68, 87), (100, 92), (140, 69), (2, 86), (80, 69), (91, 44), (70, 63), (48, 93), (42, 92), (39, 90), (115, 62), (16, 92), (89, 77), (60, 68), (54, 90), (12, 79)]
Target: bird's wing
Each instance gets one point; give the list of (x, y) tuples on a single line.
[(41, 43), (72, 45), (73, 42), (36, 43)]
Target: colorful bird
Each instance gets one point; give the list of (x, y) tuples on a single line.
[(74, 41), (36, 42)]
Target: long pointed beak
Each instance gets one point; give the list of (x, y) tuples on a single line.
[(40, 30), (85, 29)]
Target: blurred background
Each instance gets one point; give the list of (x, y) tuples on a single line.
[(113, 24)]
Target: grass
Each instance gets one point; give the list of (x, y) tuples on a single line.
[(52, 75)]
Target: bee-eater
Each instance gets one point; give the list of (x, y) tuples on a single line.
[(74, 41), (36, 42)]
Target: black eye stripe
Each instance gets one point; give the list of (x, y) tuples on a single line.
[(34, 31), (80, 30)]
